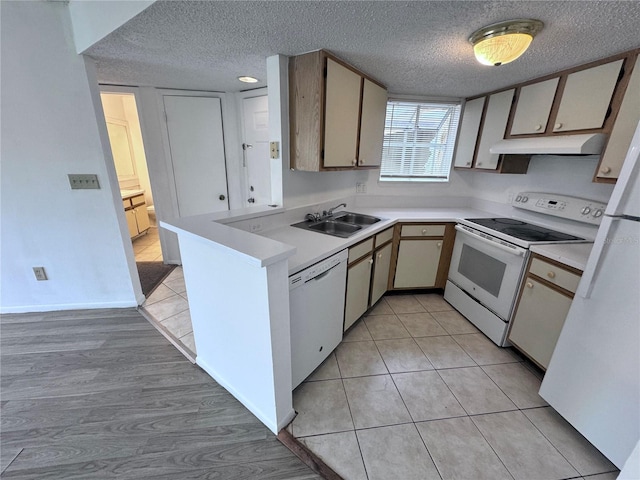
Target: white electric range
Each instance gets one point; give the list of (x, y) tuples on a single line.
[(490, 255)]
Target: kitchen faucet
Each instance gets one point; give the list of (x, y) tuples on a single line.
[(330, 212)]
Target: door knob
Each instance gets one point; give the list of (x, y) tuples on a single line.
[(222, 197)]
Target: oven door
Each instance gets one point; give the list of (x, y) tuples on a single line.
[(488, 269)]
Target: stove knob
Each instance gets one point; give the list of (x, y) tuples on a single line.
[(597, 213), (525, 199), (518, 198), (586, 211)]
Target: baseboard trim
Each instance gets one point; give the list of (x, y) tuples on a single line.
[(67, 306)]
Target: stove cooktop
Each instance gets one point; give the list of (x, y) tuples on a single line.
[(523, 230)]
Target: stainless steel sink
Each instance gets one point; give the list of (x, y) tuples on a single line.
[(330, 227), (357, 218), (344, 224), (339, 229)]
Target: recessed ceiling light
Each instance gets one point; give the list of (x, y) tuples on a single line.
[(248, 79)]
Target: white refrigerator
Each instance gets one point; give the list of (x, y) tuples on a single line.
[(593, 379)]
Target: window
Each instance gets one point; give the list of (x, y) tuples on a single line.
[(418, 141)]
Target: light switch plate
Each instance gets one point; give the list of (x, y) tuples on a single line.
[(81, 181)]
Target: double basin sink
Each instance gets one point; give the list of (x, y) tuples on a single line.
[(342, 224)]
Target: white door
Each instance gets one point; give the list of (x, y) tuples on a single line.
[(257, 167), (194, 126)]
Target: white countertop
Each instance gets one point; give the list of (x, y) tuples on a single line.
[(312, 247), (572, 254)]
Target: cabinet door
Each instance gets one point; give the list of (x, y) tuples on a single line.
[(493, 129), (537, 323), (130, 215), (381, 265), (374, 111), (357, 300), (142, 218), (623, 130), (342, 111), (417, 264), (533, 108), (468, 136), (586, 98)]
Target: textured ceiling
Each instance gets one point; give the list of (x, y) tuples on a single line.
[(415, 48)]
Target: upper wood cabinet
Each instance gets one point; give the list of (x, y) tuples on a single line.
[(533, 107), (336, 114), (493, 128), (625, 125), (468, 134), (586, 97)]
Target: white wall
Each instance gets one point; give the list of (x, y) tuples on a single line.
[(547, 173), (94, 20), (49, 129)]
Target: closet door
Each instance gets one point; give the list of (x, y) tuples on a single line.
[(194, 127)]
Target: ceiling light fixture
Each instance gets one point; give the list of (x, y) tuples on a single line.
[(503, 42), (248, 79)]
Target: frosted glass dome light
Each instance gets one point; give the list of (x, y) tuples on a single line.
[(503, 42)]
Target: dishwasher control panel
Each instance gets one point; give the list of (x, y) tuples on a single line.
[(316, 270)]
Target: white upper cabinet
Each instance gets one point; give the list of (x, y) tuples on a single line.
[(342, 110), (468, 135), (623, 130), (374, 110), (586, 98), (493, 129), (533, 107)]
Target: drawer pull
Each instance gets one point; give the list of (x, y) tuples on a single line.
[(606, 170), (529, 285), (424, 231), (538, 127), (551, 274), (439, 244), (558, 125)]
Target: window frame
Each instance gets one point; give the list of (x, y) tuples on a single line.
[(422, 179)]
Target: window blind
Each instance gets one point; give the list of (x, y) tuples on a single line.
[(418, 141)]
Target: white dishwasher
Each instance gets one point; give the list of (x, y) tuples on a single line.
[(316, 302)]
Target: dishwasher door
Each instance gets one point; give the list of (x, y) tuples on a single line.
[(316, 300)]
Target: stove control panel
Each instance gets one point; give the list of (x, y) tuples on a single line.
[(563, 206)]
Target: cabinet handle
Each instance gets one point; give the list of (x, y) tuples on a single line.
[(361, 161), (606, 170), (551, 274), (538, 127), (354, 162), (529, 285), (222, 197), (558, 125), (468, 163), (439, 244), (379, 255), (424, 231), (371, 261)]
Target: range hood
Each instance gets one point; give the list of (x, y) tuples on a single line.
[(583, 144)]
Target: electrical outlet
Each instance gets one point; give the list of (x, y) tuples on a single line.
[(256, 227), (40, 273), (361, 187), (78, 181)]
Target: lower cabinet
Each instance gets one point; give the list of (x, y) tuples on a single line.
[(545, 298), (367, 274), (136, 215), (423, 255)]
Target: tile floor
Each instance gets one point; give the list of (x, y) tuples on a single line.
[(146, 248), (168, 308), (416, 392)]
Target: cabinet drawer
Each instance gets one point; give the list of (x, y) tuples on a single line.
[(422, 230), (360, 249), (137, 200), (126, 203), (384, 237), (554, 274)]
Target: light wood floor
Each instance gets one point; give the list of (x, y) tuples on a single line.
[(101, 394)]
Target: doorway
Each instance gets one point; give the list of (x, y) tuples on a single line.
[(256, 159)]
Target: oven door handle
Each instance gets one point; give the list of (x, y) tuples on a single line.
[(517, 251)]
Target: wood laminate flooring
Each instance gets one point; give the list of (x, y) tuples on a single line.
[(101, 394)]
